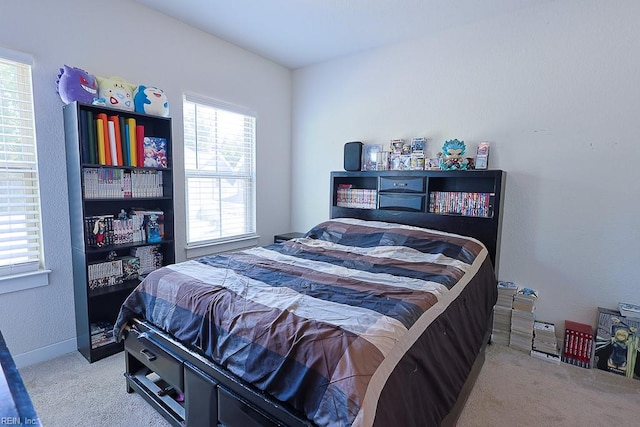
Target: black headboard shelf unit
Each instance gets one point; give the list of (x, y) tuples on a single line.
[(462, 202)]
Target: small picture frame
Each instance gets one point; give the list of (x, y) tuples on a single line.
[(482, 156), (370, 156)]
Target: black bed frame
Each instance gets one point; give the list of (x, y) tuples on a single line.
[(158, 366)]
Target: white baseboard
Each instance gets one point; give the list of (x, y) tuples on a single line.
[(44, 354)]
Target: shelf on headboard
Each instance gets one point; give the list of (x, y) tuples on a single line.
[(404, 197)]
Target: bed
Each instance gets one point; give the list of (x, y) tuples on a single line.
[(359, 322)]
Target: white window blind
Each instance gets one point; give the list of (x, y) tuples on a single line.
[(20, 225), (219, 155)]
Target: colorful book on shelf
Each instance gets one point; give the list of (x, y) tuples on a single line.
[(132, 141), (124, 142), (118, 140), (140, 145), (91, 135), (102, 157), (112, 142), (84, 136), (155, 152), (104, 129)]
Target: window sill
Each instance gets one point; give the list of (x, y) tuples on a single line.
[(20, 282), (196, 251)]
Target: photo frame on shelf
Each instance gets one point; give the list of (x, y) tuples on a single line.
[(482, 156), (370, 156)]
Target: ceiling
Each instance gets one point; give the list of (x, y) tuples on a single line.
[(298, 33)]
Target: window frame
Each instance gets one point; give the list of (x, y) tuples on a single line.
[(31, 274), (198, 248)]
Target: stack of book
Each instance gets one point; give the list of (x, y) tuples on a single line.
[(502, 312), (101, 334), (522, 319), (545, 345), (150, 258), (578, 344)]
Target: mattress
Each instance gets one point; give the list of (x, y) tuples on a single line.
[(357, 323)]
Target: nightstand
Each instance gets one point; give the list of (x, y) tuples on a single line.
[(279, 238)]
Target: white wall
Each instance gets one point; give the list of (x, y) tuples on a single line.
[(555, 90), (123, 38)]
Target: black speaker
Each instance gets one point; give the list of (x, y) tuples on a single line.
[(353, 156)]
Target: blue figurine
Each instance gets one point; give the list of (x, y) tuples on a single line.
[(453, 152)]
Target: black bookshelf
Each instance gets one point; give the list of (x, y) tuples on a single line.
[(102, 304)]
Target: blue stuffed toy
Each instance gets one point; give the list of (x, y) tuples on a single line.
[(150, 100)]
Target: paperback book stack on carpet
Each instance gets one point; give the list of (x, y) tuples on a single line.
[(545, 344), (522, 319), (502, 313)]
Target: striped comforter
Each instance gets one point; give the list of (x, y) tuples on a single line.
[(351, 324)]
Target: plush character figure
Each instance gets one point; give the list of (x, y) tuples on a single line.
[(115, 92), (150, 100), (453, 155), (75, 84)]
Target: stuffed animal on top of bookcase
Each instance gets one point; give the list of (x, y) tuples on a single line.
[(76, 84), (150, 100), (115, 92)]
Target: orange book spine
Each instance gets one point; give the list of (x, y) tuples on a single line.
[(107, 142)]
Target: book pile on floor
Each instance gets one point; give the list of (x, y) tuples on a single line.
[(545, 345), (502, 313), (578, 344), (522, 319)]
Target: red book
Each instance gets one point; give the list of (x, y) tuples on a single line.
[(140, 145), (583, 337)]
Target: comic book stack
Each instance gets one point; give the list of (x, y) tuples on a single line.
[(545, 344), (522, 319), (578, 344), (502, 312)]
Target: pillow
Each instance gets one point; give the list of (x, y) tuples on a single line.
[(115, 92), (75, 84), (150, 100)]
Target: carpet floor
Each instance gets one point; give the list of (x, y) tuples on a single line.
[(513, 389)]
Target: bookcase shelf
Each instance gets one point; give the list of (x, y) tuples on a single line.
[(98, 190), (413, 196)]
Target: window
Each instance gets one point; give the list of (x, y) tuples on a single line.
[(219, 156), (20, 224)]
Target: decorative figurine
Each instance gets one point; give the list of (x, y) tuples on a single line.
[(453, 155)]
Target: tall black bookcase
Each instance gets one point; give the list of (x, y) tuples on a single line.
[(92, 195)]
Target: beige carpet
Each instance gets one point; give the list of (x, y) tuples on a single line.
[(514, 389)]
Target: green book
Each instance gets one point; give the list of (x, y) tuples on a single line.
[(91, 138)]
